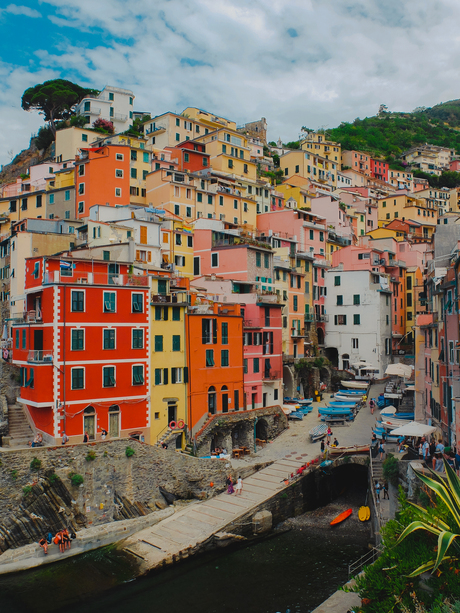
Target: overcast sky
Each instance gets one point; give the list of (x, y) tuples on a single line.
[(298, 63)]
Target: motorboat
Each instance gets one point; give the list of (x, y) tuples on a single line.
[(318, 432), (348, 450), (353, 392)]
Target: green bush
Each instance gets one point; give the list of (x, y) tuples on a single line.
[(27, 490), (391, 470), (91, 456), (36, 464), (53, 478), (14, 475), (76, 479), (129, 452)]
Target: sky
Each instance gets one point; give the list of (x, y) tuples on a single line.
[(312, 63)]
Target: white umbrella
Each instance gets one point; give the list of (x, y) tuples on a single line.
[(5, 333), (399, 370), (413, 428)]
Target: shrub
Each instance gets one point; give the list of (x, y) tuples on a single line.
[(76, 479), (104, 126), (129, 452), (36, 464), (91, 456), (14, 475), (391, 470), (27, 490), (53, 478)]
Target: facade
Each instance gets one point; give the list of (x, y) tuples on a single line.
[(112, 104), (74, 378)]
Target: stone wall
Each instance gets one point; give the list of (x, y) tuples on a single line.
[(115, 486), (236, 429)]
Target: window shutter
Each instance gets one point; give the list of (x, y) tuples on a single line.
[(165, 376), (149, 256), (165, 313), (157, 376), (186, 374), (214, 331), (138, 255), (271, 342), (203, 331), (173, 375)]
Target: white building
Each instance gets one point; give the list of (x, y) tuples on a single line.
[(113, 103), (358, 303)]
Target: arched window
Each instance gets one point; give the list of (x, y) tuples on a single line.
[(89, 422), (114, 421), (345, 361), (212, 399)]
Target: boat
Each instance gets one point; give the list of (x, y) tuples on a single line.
[(353, 392), (350, 405), (342, 398), (364, 513), (318, 432), (334, 411), (360, 385), (340, 518), (295, 416), (349, 450), (305, 401)]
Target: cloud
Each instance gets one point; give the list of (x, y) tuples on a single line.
[(296, 62), (14, 9)]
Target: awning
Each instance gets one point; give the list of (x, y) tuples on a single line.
[(413, 428), (399, 370)]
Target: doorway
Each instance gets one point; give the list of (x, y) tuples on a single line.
[(89, 422), (114, 421), (253, 400), (264, 399), (172, 412), (224, 399)]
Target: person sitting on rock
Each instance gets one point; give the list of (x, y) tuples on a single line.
[(44, 544)]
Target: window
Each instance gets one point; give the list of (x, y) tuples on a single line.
[(176, 342), (78, 378), (158, 342), (138, 375), (118, 192), (81, 207), (356, 299), (245, 366), (224, 333), (177, 211), (355, 343), (258, 260), (78, 301), (84, 138), (340, 320), (224, 357), (209, 331), (176, 375), (137, 303), (133, 173), (356, 319), (109, 339), (109, 302), (256, 365), (119, 157), (119, 173), (214, 260), (336, 281), (13, 204), (38, 203), (295, 303), (230, 163), (339, 300), (77, 340), (176, 313), (199, 197), (209, 357), (108, 376), (189, 241), (138, 338)]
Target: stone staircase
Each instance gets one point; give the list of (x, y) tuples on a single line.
[(20, 433)]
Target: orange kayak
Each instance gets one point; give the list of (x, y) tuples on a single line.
[(341, 517)]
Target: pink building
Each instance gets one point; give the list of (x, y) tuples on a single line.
[(329, 209)]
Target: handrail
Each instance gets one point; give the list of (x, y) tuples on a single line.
[(367, 558), (158, 436)]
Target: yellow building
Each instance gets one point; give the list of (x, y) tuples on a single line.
[(230, 153), (319, 145), (310, 166), (208, 119), (70, 140), (408, 208), (168, 364), (177, 245), (296, 187), (170, 129)]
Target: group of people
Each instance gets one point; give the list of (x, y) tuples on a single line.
[(38, 441), (234, 489), (63, 539), (381, 487), (434, 452)]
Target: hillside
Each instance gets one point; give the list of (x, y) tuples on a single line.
[(389, 134)]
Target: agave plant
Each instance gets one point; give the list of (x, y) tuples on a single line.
[(449, 493)]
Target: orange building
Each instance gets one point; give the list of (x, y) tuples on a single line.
[(102, 176), (215, 349)]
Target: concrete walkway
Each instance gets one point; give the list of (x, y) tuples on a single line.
[(178, 534)]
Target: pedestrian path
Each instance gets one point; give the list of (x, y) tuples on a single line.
[(179, 534)]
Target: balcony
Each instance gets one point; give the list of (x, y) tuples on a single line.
[(91, 278), (309, 317), (271, 375), (299, 333), (40, 356), (322, 318), (252, 323), (268, 297)]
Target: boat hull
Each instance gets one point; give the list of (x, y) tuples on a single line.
[(359, 385), (342, 517)]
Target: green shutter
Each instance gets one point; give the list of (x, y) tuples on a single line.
[(176, 343), (158, 342)]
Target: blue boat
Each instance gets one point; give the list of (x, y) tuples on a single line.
[(353, 392), (305, 401), (326, 411), (342, 404), (295, 416)]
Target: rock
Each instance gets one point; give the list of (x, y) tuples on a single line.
[(262, 522), (161, 505)]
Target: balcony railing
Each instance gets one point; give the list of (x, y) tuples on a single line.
[(322, 317), (309, 317), (40, 356), (271, 375), (251, 323), (94, 278), (298, 332)]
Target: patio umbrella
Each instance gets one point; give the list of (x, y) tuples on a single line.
[(399, 370), (413, 428)]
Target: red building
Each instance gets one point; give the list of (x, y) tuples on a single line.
[(263, 354), (379, 169), (215, 355), (83, 349), (192, 156)]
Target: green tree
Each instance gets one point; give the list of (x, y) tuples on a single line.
[(55, 100)]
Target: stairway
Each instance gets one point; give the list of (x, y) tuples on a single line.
[(20, 433)]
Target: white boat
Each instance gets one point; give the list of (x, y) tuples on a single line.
[(345, 399), (318, 432), (358, 385)]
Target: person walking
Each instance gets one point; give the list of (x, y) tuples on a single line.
[(425, 450), (239, 486), (377, 491), (229, 484), (372, 405), (385, 491), (382, 450)]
